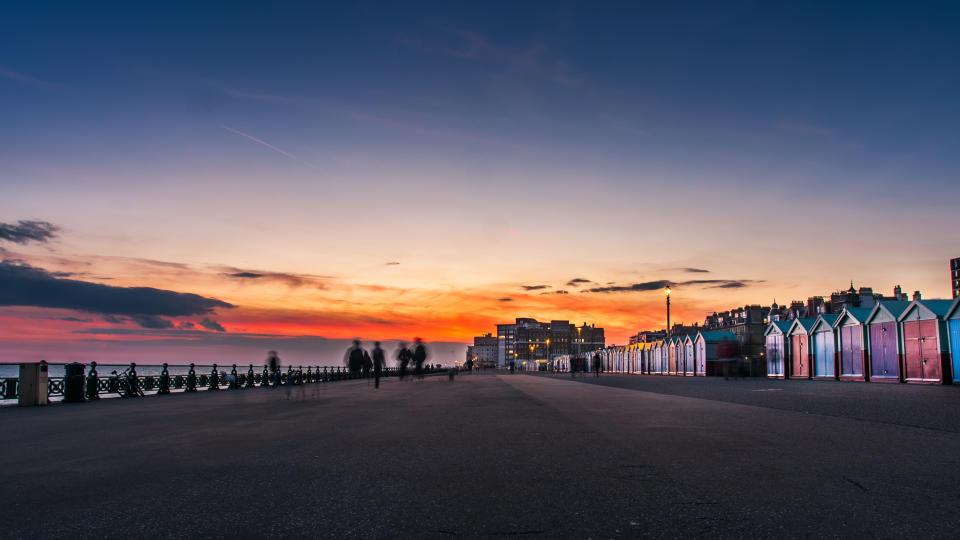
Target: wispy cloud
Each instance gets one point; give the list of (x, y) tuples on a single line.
[(505, 299), (663, 283), (268, 145), (15, 76), (576, 282), (534, 287)]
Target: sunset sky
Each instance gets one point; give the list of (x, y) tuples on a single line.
[(299, 174)]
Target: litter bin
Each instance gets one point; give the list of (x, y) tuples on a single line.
[(73, 383), (33, 383)]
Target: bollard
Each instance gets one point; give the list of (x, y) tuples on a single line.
[(164, 381), (73, 383), (250, 377), (214, 379), (234, 381), (265, 378), (191, 380)]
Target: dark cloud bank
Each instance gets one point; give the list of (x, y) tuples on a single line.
[(662, 283), (25, 231), (25, 285)]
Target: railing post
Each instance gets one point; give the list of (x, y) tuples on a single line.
[(93, 382), (214, 379), (265, 377), (250, 377), (191, 380), (163, 387), (234, 380)]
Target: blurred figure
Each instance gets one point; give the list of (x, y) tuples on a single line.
[(513, 366), (419, 357), (367, 365), (378, 364), (273, 362), (354, 358), (597, 366), (403, 359)]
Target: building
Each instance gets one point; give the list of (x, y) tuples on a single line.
[(955, 276), (747, 323), (530, 343), (484, 350)]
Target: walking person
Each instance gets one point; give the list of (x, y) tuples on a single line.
[(378, 364), (597, 367), (419, 357), (403, 359), (367, 364), (354, 358), (273, 362)]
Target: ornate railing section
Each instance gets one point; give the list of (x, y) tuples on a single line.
[(88, 384)]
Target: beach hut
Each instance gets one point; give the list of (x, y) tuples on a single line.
[(671, 356), (926, 350), (823, 341), (851, 330), (953, 337), (689, 357), (714, 349), (883, 345), (777, 348), (799, 337), (660, 355)]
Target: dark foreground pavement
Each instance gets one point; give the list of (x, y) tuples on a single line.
[(495, 456)]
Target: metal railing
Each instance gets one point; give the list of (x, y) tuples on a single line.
[(210, 378)]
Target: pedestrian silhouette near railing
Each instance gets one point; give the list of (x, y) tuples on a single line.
[(354, 359), (274, 362), (419, 357), (403, 359), (378, 363), (367, 365)]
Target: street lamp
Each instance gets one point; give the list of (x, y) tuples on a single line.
[(549, 359), (666, 291)]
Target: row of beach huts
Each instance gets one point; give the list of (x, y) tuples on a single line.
[(894, 341)]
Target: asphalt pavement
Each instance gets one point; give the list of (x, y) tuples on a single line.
[(490, 456)]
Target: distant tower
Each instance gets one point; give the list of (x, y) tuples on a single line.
[(955, 276)]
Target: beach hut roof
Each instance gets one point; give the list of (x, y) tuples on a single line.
[(894, 308), (954, 311), (937, 308), (714, 337), (782, 326), (825, 319), (857, 314), (803, 323)]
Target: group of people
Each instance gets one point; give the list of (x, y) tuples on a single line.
[(360, 361)]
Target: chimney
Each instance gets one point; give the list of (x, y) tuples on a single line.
[(897, 293), (916, 295)]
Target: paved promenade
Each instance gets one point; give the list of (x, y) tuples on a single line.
[(491, 456)]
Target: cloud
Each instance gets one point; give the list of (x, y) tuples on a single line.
[(645, 286), (11, 75), (293, 280), (186, 325), (211, 324), (74, 319), (392, 263), (505, 299), (534, 287), (25, 285), (28, 231), (561, 291), (251, 275), (695, 270), (575, 282), (662, 283), (151, 321)]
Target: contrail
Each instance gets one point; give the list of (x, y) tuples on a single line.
[(265, 143)]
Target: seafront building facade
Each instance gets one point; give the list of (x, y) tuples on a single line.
[(531, 344)]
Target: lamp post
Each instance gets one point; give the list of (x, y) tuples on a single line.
[(666, 291), (549, 359)]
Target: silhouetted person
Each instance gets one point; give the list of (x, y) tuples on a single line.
[(513, 366), (378, 364), (273, 362), (597, 367), (354, 358), (469, 365), (367, 365), (419, 357), (403, 359)]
